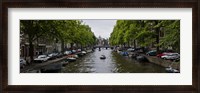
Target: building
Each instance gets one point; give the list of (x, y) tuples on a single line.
[(40, 46)]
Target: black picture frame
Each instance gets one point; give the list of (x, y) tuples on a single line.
[(194, 88)]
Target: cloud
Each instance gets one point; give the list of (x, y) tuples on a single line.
[(101, 27)]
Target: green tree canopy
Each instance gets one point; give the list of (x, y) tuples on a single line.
[(146, 33)]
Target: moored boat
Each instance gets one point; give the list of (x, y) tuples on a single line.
[(71, 59), (52, 68), (64, 63), (142, 59), (171, 70)]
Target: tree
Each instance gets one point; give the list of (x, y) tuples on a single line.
[(34, 29), (146, 33), (65, 31), (171, 29)]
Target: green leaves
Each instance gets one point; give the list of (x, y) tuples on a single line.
[(146, 33), (69, 31)]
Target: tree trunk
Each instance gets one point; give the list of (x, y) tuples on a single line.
[(62, 45), (81, 47), (157, 38), (128, 43), (31, 51), (71, 44), (134, 44)]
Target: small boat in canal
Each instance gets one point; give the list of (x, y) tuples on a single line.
[(171, 70), (124, 53), (83, 52), (64, 63), (142, 59), (103, 57), (79, 54), (133, 55), (52, 68), (71, 59), (75, 56)]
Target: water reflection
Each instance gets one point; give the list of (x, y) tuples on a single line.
[(114, 63)]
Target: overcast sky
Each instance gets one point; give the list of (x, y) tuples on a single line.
[(101, 27)]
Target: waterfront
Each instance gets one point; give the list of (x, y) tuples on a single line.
[(47, 49), (114, 63)]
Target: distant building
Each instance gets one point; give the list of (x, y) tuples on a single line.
[(102, 42)]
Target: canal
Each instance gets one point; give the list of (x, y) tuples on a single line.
[(114, 63)]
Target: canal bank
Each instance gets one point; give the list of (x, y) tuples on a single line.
[(91, 63), (162, 62), (36, 66), (39, 65)]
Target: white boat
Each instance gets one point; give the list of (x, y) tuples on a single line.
[(103, 57), (83, 52), (71, 59), (171, 70)]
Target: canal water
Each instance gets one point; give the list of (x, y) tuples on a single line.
[(114, 63)]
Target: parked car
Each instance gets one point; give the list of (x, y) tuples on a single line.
[(171, 56), (130, 50), (67, 52), (41, 58), (52, 56), (151, 53), (22, 63), (59, 55), (162, 54), (78, 50), (74, 51)]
